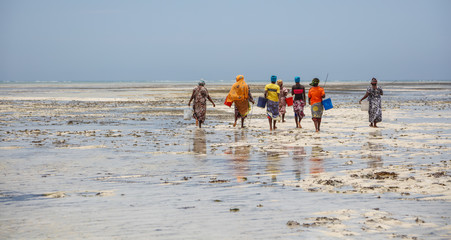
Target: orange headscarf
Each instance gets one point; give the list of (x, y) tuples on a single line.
[(239, 90)]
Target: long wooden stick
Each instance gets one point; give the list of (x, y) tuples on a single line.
[(326, 80)]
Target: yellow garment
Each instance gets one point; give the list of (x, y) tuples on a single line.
[(273, 90), (239, 90)]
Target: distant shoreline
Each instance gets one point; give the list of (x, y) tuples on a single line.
[(216, 82), (338, 86), (149, 91)]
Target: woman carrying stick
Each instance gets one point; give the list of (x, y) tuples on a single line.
[(315, 97)]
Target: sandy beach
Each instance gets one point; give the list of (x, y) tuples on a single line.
[(118, 161)]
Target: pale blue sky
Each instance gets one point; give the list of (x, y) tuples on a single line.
[(93, 40)]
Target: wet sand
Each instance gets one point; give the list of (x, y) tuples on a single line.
[(118, 161)]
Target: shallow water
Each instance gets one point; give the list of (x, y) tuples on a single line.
[(118, 169)]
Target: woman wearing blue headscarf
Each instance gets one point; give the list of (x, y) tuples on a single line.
[(272, 93), (298, 91)]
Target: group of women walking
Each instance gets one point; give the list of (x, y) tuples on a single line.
[(276, 95), (276, 101)]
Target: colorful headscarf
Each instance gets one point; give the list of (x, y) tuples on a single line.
[(297, 79), (315, 82), (239, 90), (201, 83)]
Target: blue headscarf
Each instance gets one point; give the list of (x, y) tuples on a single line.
[(273, 78), (297, 79)]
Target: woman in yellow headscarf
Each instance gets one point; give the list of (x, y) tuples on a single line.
[(240, 94)]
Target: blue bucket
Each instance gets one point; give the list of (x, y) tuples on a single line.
[(261, 102), (327, 103)]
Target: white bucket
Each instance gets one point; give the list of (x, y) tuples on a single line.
[(187, 113), (365, 106)]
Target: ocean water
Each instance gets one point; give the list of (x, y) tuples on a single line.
[(221, 81), (85, 160)]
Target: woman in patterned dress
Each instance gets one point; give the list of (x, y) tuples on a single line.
[(200, 96), (374, 93), (298, 91), (282, 99)]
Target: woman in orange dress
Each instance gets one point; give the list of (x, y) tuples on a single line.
[(240, 94), (315, 98)]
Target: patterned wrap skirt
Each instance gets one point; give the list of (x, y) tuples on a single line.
[(317, 110), (272, 109), (298, 107), (375, 110), (199, 111), (242, 108), (282, 105)]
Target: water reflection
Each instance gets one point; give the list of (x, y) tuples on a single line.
[(273, 164), (298, 160), (374, 149), (375, 135), (316, 160), (240, 153), (200, 143)]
